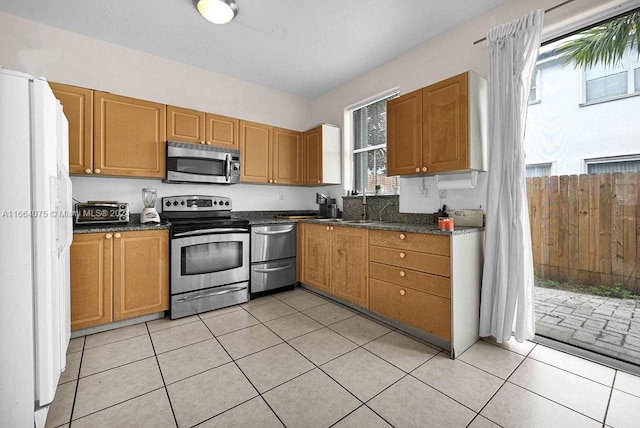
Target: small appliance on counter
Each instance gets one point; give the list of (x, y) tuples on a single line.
[(100, 212), (327, 205), (149, 213)]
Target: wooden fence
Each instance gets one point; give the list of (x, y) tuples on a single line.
[(585, 229)]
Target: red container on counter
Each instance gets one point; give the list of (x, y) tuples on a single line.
[(445, 223)]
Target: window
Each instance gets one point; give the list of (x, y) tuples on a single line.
[(535, 83), (613, 164), (538, 170), (369, 124), (604, 82)]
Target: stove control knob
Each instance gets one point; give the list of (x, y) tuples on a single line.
[(168, 203), (182, 202), (227, 203), (175, 203), (215, 202)]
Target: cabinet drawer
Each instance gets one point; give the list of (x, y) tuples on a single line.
[(434, 244), (430, 263), (438, 285), (424, 311)]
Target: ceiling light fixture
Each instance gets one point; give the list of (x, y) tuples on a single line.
[(217, 11)]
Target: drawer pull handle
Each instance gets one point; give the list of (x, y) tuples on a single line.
[(402, 292), (403, 236), (402, 273), (402, 255)]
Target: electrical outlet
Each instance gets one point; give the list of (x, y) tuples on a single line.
[(281, 196), (443, 194), (425, 189)]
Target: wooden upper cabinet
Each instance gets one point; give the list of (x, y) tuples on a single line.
[(322, 155), (445, 125), (255, 152), (221, 131), (313, 156), (439, 128), (91, 276), (129, 136), (141, 273), (287, 156), (404, 134), (77, 104), (184, 125)]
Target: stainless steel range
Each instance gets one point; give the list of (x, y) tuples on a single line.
[(209, 254)]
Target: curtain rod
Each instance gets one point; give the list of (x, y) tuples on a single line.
[(546, 11)]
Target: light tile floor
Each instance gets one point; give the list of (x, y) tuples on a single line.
[(296, 359)]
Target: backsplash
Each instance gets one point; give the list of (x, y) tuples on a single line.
[(385, 207)]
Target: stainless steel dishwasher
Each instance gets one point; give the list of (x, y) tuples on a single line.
[(273, 256)]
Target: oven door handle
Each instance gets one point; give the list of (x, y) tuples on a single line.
[(273, 232), (210, 294), (210, 231), (275, 269)]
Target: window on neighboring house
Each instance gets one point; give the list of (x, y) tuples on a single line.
[(538, 170), (604, 82), (613, 164), (369, 124)]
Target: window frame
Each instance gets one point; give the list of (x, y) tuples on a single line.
[(348, 137), (609, 160)]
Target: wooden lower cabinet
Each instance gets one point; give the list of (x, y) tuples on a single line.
[(118, 275), (334, 260), (415, 308)]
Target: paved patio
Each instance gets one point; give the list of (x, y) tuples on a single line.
[(606, 325)]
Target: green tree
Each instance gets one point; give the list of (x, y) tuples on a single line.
[(605, 43)]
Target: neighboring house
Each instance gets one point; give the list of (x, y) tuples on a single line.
[(583, 121)]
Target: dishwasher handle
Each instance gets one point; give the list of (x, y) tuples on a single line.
[(273, 232), (275, 269)]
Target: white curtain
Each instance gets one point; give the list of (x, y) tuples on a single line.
[(507, 283)]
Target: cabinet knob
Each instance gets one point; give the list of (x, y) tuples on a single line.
[(118, 235), (402, 255), (402, 236), (331, 227), (402, 273), (201, 142), (402, 292), (424, 169), (97, 171), (270, 181), (418, 169), (319, 182), (328, 228), (108, 236), (87, 171), (208, 143), (275, 181)]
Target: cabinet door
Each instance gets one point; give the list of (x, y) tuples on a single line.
[(404, 134), (349, 264), (222, 131), (184, 125), (316, 256), (128, 136), (141, 273), (77, 104), (91, 278), (287, 156), (313, 156), (255, 152), (445, 125)]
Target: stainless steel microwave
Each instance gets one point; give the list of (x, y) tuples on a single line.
[(191, 163)]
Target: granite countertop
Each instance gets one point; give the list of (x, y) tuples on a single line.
[(429, 228), (133, 225)]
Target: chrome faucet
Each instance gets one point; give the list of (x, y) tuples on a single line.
[(364, 206)]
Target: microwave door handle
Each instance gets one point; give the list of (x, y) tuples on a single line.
[(203, 231), (228, 159)]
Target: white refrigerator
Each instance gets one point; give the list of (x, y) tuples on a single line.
[(35, 236)]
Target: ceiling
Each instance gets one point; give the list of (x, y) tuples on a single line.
[(302, 47)]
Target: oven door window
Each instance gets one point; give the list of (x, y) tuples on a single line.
[(211, 257), (199, 166)]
